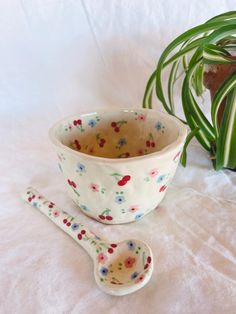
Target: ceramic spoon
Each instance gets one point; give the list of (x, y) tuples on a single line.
[(119, 268)]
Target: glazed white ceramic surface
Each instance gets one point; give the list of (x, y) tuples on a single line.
[(117, 164), (119, 268)]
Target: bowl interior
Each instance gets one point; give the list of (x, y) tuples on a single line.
[(117, 134)]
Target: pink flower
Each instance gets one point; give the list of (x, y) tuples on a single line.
[(140, 278), (153, 173), (56, 213), (101, 258), (133, 208), (94, 187), (142, 117), (129, 262)]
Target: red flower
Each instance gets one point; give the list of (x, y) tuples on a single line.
[(129, 262)]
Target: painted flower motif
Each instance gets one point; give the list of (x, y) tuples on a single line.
[(162, 188), (142, 117), (122, 141), (161, 178), (153, 173), (158, 126), (120, 199), (140, 278), (81, 167), (129, 262), (84, 207), (137, 217), (71, 183), (92, 123), (104, 271), (94, 187), (56, 213), (74, 226), (141, 152), (77, 122), (101, 258), (91, 150), (134, 275), (131, 245), (133, 208)]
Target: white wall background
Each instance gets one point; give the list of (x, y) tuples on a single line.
[(61, 57), (58, 57)]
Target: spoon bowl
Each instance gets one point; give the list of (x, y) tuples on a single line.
[(127, 269), (119, 268)]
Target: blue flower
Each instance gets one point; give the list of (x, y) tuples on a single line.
[(158, 126), (81, 167), (134, 275), (83, 207), (161, 178), (120, 199), (92, 123), (74, 226), (104, 271), (131, 245), (137, 217), (122, 141)]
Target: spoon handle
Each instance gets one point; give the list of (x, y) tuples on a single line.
[(82, 235)]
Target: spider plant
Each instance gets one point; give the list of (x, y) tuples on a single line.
[(211, 44)]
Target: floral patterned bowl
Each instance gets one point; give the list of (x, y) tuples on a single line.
[(117, 164)]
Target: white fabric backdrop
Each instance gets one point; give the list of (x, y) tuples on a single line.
[(59, 57)]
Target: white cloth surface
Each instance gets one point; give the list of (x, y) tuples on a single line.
[(62, 57)]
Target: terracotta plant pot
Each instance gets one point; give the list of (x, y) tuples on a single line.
[(214, 76)]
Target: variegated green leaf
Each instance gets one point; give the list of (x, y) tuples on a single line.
[(225, 88), (226, 142), (183, 158)]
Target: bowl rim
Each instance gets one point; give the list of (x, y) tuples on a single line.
[(170, 148)]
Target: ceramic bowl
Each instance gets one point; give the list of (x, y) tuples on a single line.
[(117, 164)]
